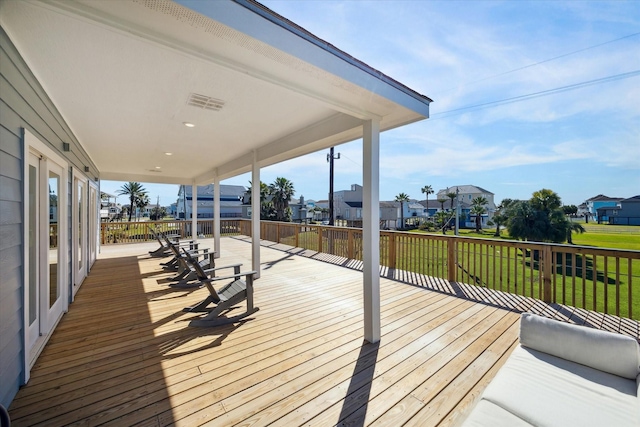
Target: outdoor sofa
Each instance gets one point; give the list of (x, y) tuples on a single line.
[(563, 375)]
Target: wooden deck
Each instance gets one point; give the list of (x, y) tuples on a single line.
[(124, 354)]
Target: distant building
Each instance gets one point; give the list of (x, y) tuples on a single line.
[(627, 212), (466, 194), (601, 201), (230, 201)]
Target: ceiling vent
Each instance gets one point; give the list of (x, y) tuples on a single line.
[(205, 102)]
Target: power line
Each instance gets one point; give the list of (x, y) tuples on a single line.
[(538, 94), (564, 55)]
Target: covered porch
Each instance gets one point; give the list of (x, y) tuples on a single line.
[(124, 355)]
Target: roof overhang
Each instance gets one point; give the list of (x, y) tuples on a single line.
[(121, 74)]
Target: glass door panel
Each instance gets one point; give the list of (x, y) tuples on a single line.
[(54, 247)]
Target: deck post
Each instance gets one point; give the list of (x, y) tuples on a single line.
[(371, 229), (452, 262), (216, 215), (194, 211), (547, 271), (255, 215)]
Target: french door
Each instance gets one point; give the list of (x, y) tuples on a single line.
[(46, 290), (93, 223), (80, 234)]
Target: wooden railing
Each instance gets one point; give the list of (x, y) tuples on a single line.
[(605, 280), (132, 232)]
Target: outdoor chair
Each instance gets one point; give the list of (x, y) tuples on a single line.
[(174, 248), (187, 275), (222, 301), (163, 250)]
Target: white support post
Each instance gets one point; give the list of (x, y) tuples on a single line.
[(194, 211), (371, 229), (255, 215), (216, 215)]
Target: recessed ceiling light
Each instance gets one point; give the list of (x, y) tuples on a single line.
[(157, 167), (189, 125), (168, 154)]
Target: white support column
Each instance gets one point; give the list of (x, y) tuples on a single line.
[(194, 211), (255, 215), (371, 229), (216, 215)]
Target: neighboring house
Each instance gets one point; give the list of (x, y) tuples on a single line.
[(626, 213), (466, 193), (431, 209), (230, 201), (601, 201), (347, 205), (388, 215), (301, 209)]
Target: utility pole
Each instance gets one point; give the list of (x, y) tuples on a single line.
[(330, 159), (457, 211)]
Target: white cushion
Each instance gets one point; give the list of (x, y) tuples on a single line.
[(545, 390), (605, 351), (487, 414)]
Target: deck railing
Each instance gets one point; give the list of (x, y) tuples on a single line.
[(604, 280)]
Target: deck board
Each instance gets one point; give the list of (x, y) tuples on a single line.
[(124, 355)]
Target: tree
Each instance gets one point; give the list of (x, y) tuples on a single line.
[(540, 219), (441, 201), (267, 211), (402, 198), (574, 226), (570, 210), (157, 213), (524, 222), (478, 208), (500, 217), (141, 202), (426, 190), (545, 200), (452, 197), (282, 191), (134, 190), (442, 218)]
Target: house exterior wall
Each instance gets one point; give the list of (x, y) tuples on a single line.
[(594, 206), (627, 214), (466, 194), (23, 105)]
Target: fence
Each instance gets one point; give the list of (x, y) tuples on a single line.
[(605, 280)]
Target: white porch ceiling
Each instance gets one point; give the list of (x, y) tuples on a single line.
[(121, 73)]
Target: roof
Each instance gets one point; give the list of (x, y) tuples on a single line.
[(632, 199), (464, 189), (603, 198), (225, 191), (388, 205), (127, 75)]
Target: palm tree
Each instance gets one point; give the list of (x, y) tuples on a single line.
[(442, 218), (141, 202), (402, 198), (441, 201), (134, 190), (426, 190), (451, 196), (478, 208), (282, 191), (500, 217), (545, 200), (574, 226)]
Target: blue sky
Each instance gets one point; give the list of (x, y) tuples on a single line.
[(573, 68)]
